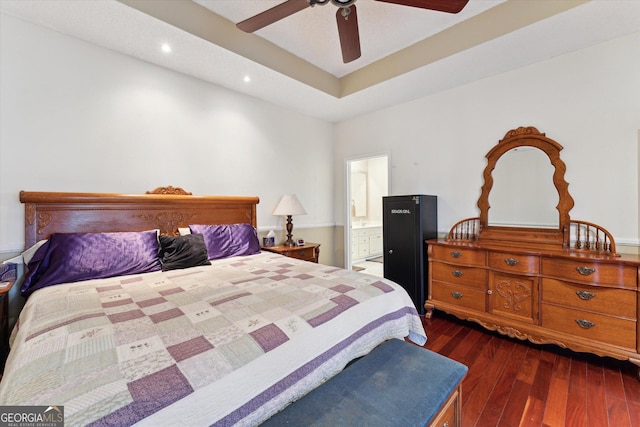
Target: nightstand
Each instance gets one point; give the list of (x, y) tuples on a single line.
[(308, 252)]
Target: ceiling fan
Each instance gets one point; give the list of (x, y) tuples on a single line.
[(346, 18)]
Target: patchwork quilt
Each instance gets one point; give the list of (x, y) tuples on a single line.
[(227, 344)]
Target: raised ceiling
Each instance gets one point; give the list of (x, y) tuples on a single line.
[(406, 52)]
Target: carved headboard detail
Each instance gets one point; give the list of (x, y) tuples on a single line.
[(166, 208), (170, 190)]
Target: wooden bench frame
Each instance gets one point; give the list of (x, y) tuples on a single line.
[(397, 384)]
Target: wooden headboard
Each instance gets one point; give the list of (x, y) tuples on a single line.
[(165, 208)]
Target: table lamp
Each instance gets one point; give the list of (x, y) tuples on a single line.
[(289, 205)]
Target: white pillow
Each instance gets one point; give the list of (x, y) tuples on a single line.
[(29, 253)]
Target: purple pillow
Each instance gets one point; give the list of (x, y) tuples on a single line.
[(72, 257), (225, 241)]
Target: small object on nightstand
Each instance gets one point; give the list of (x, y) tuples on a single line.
[(307, 252), (300, 242), (269, 240)]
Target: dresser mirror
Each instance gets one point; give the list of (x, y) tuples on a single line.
[(561, 283), (519, 194), (523, 194)]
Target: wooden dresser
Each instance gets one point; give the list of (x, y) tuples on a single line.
[(564, 286), (578, 302)]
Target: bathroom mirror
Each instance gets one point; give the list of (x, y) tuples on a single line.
[(358, 194)]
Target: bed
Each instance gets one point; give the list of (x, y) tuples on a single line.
[(231, 340)]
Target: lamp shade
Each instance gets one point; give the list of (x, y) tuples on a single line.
[(289, 205)]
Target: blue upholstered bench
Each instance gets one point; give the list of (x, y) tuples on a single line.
[(397, 384)]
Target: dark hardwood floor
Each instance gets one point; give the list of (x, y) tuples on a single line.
[(515, 383)]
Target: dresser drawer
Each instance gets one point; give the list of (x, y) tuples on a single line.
[(458, 295), (615, 302), (592, 272), (306, 254), (447, 415), (459, 255), (595, 327), (514, 263), (457, 274)]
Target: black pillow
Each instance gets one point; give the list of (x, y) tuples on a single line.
[(182, 251)]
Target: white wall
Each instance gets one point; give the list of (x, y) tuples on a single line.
[(77, 117), (588, 101)]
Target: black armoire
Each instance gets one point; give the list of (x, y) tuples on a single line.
[(407, 221)]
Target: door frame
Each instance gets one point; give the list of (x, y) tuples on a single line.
[(347, 197)]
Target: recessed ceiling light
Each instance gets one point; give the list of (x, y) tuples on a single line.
[(166, 48), (247, 79)]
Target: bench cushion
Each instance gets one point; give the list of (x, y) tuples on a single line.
[(397, 384)]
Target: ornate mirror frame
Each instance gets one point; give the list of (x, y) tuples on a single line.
[(543, 237)]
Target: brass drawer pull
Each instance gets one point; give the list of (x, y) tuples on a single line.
[(457, 273), (585, 271), (302, 253), (511, 261), (456, 295), (456, 254), (585, 324), (584, 295)]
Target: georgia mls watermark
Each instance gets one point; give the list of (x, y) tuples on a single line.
[(31, 416)]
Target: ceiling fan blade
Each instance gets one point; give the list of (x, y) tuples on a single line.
[(272, 15), (450, 6), (347, 20)]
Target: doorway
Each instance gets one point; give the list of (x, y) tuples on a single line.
[(367, 182)]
